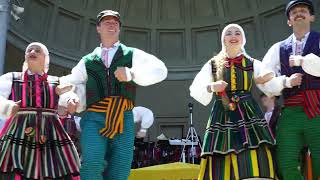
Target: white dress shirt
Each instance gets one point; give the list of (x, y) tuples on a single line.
[(147, 70), (143, 115), (198, 88), (311, 65)]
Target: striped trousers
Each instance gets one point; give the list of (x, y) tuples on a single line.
[(117, 151), (295, 131)]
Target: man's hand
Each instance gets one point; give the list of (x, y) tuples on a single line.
[(295, 60), (142, 133), (121, 75), (218, 86), (62, 111), (15, 108), (295, 79), (263, 79), (72, 105)]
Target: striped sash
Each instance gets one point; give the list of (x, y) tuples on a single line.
[(308, 99), (114, 107)]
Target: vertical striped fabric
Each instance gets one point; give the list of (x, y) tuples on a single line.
[(255, 163), (295, 131), (114, 107), (236, 141), (26, 91), (96, 149), (47, 151), (239, 76), (309, 100), (245, 127), (234, 131)]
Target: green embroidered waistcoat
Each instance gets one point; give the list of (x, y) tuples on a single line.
[(102, 82)]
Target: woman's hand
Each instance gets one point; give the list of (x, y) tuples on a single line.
[(72, 105), (218, 86), (15, 108), (62, 111)]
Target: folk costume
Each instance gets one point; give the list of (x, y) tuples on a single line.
[(107, 126), (33, 143), (298, 124), (237, 139)]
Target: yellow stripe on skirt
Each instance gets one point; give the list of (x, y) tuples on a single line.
[(234, 166)]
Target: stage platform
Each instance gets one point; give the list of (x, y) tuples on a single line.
[(171, 171)]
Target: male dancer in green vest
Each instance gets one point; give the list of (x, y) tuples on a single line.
[(296, 61), (109, 76)]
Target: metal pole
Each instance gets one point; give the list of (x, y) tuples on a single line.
[(192, 129), (192, 138), (4, 22)]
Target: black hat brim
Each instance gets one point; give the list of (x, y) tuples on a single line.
[(290, 6)]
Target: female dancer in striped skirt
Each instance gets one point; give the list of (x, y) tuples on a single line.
[(237, 139), (33, 143)]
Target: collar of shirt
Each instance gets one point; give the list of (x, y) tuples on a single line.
[(303, 40), (271, 110), (111, 52), (31, 73), (115, 45), (268, 116), (295, 41)]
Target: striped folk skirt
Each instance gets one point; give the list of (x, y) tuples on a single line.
[(34, 145), (254, 163), (237, 142)]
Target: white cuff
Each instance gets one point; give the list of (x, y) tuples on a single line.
[(143, 130), (287, 82), (128, 74), (6, 108), (210, 88), (273, 87), (10, 108), (64, 98), (311, 65)]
